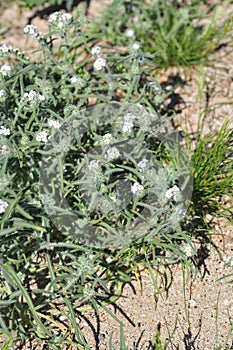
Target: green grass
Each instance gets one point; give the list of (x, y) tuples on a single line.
[(174, 35), (33, 3), (212, 162)]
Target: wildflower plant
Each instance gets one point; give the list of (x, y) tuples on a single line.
[(90, 172)]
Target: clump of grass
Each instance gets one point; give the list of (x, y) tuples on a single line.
[(176, 35), (213, 173), (64, 3)]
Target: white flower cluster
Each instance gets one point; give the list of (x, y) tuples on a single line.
[(4, 131), (5, 70), (96, 51), (60, 20), (188, 250), (128, 123), (135, 47), (94, 171), (76, 80), (5, 49), (3, 206), (109, 259), (3, 149), (31, 30), (100, 62), (136, 188), (112, 153), (142, 164), (172, 192), (33, 97), (54, 124), (94, 164), (129, 33), (42, 136), (106, 139)]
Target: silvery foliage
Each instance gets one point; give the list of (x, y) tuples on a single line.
[(116, 189)]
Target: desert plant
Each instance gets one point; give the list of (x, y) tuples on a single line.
[(93, 180)]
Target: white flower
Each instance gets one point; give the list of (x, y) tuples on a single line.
[(5, 70), (66, 18), (74, 80), (30, 29), (106, 139), (96, 50), (41, 98), (142, 164), (99, 64), (188, 250), (60, 24), (31, 95), (112, 153), (129, 33), (134, 47), (109, 259), (172, 192), (54, 124), (60, 20), (3, 206), (129, 117), (78, 81), (54, 16), (169, 193), (128, 123), (94, 164), (42, 136), (4, 131), (127, 127), (5, 49), (3, 149), (136, 188), (2, 93)]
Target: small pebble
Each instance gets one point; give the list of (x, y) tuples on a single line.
[(192, 303)]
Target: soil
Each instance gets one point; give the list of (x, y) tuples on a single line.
[(199, 311)]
